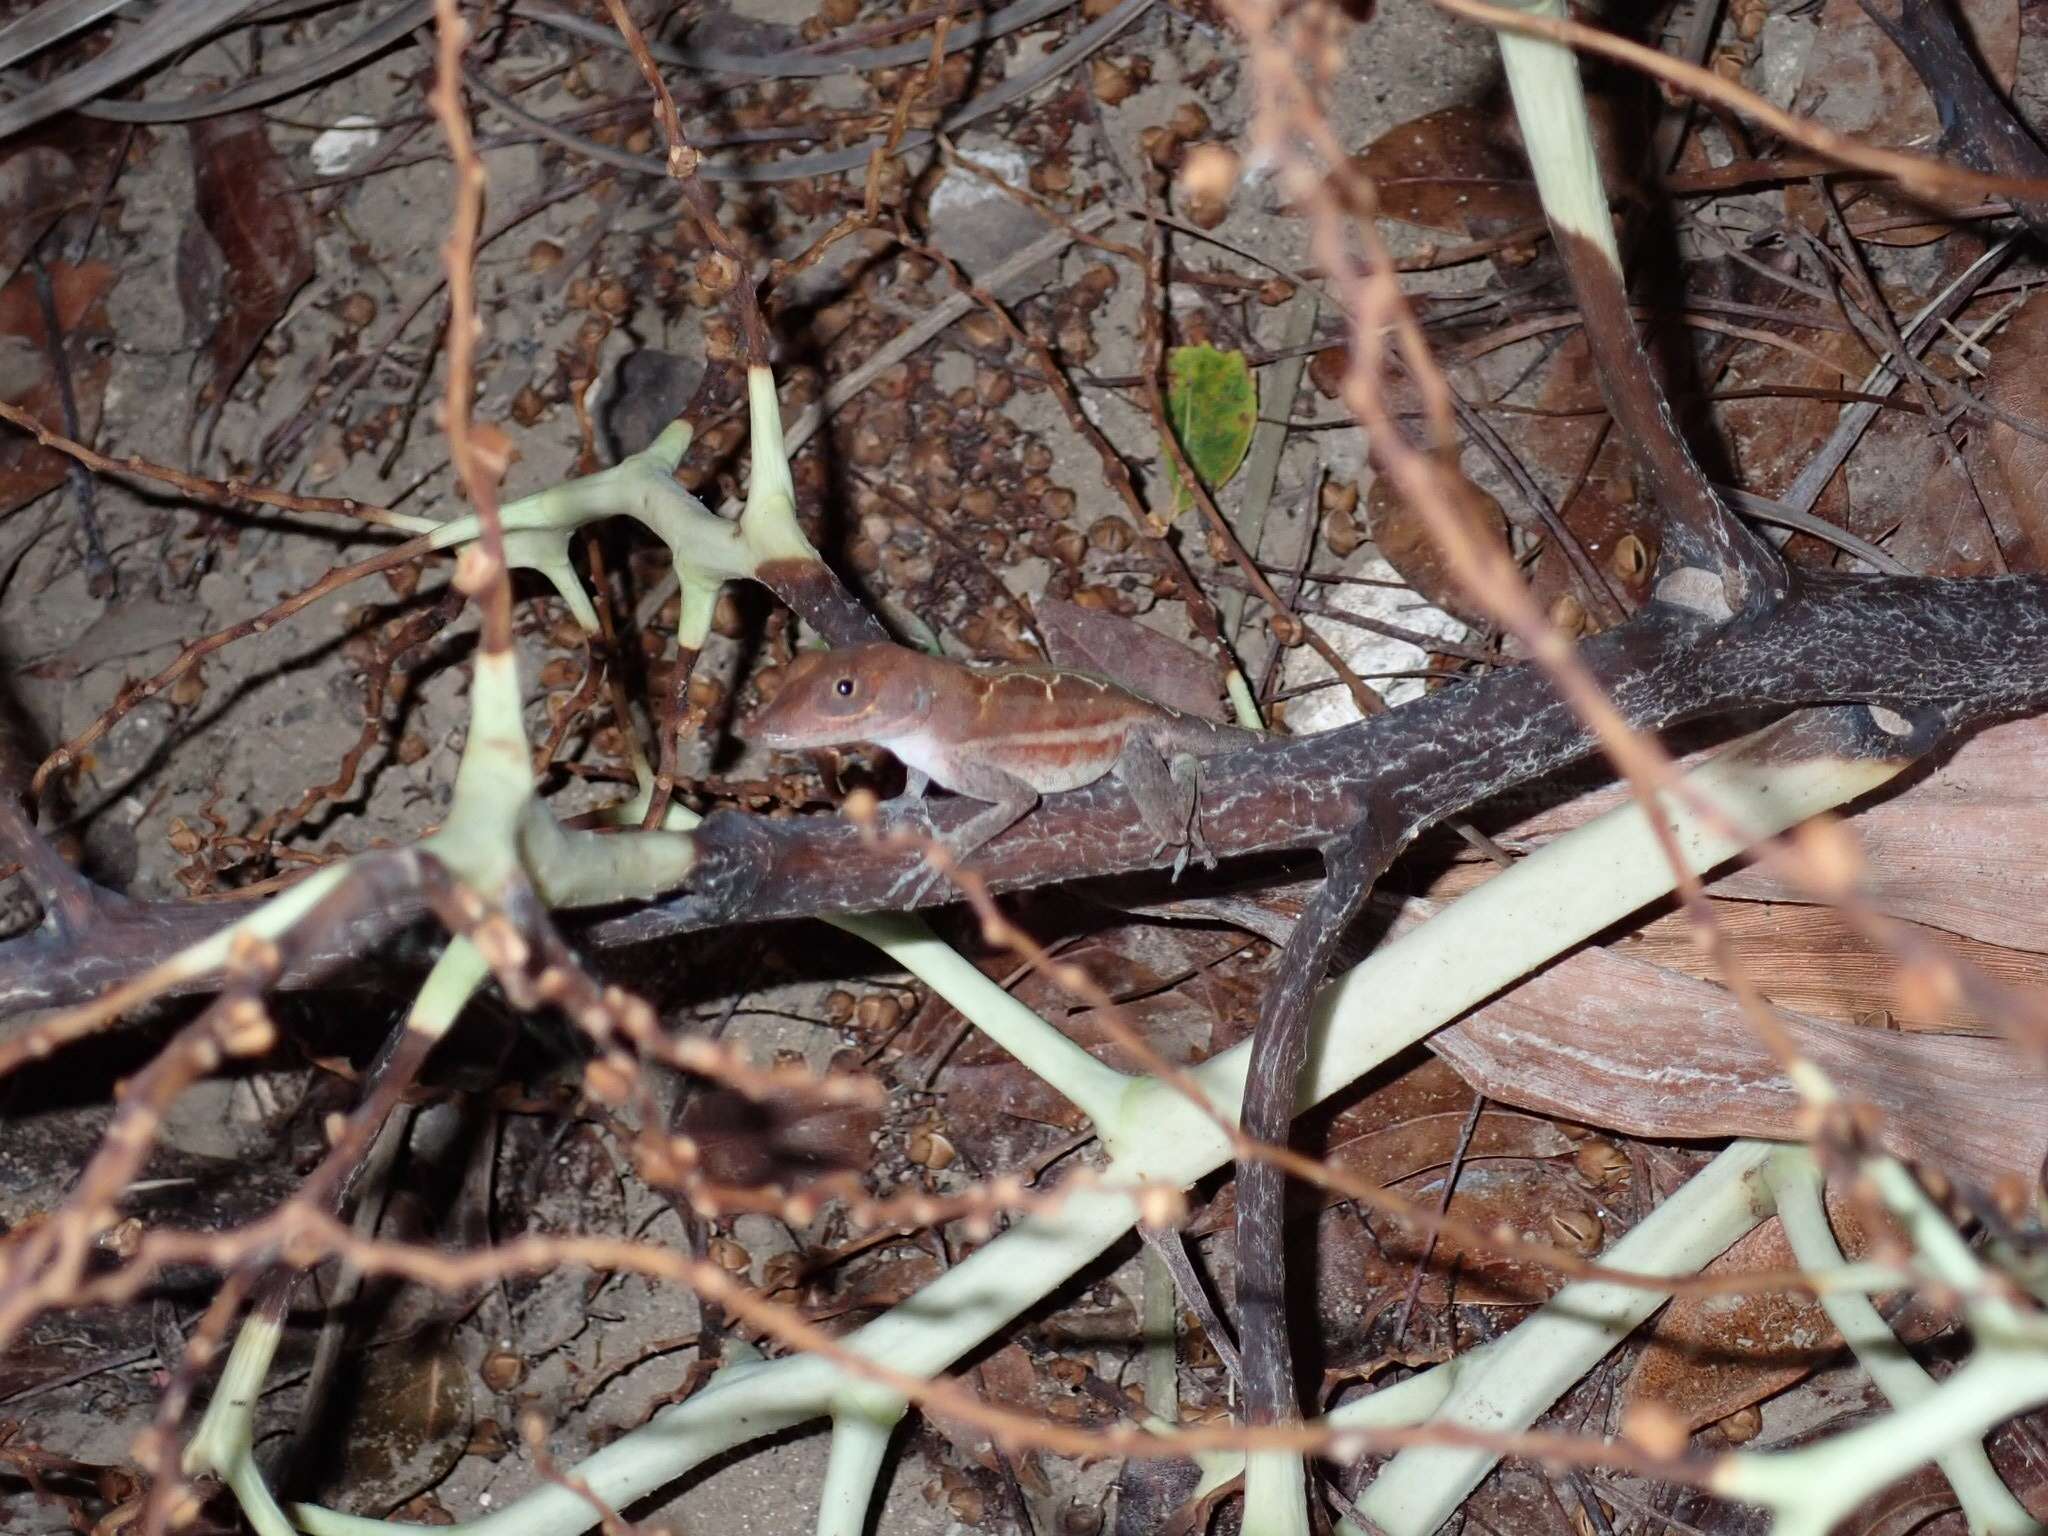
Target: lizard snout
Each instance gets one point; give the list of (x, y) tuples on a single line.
[(761, 725), (788, 723)]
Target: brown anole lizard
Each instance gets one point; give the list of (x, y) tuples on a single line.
[(1005, 734)]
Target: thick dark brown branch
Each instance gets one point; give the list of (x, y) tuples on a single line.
[(1968, 646), (119, 939), (1699, 534), (69, 901), (1273, 1081), (1972, 649), (812, 589)]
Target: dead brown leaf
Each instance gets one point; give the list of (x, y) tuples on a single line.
[(747, 1143), (1979, 818), (1611, 521), (1707, 1356), (1943, 502), (1805, 958), (1459, 170), (36, 183), (1522, 1198), (1770, 439), (262, 233), (411, 1421), (1409, 1125), (875, 1285), (1402, 535), (1127, 652), (2016, 485), (1462, 169), (1611, 1041), (28, 470)]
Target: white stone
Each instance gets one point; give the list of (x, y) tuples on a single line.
[(1365, 652), (959, 189), (341, 146)]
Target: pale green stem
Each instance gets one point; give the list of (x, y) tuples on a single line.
[(1160, 1327), (1811, 1490), (769, 514), (447, 990), (1557, 131), (1242, 703), (1522, 917), (706, 550), (1942, 1249), (745, 1402), (1532, 1367), (1988, 1506), (1094, 1088), (1275, 1494), (480, 840), (572, 867), (273, 920), (859, 1444), (223, 1446), (1404, 1404), (1576, 886), (539, 528)]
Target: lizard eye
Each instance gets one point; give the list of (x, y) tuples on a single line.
[(844, 687)]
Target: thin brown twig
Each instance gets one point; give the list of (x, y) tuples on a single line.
[(219, 492), (413, 632), (104, 577), (683, 162), (1287, 625), (136, 693), (480, 457), (315, 404), (1928, 384), (535, 1434), (307, 1236), (1201, 611), (998, 930), (1043, 207), (869, 215)]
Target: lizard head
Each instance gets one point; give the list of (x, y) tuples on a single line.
[(832, 698)]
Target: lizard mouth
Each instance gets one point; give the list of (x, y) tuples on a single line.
[(759, 728), (765, 727)]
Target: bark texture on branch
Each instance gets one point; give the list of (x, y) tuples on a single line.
[(1973, 649), (1352, 865)]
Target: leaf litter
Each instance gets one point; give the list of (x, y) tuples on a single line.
[(964, 440)]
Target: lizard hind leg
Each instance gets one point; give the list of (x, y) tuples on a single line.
[(1165, 792)]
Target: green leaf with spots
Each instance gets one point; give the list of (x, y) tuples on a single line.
[(1213, 403)]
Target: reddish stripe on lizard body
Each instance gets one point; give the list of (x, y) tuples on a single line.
[(1052, 762), (1027, 703)]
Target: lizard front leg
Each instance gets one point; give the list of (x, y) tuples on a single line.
[(1010, 798), (1165, 792), (910, 807)]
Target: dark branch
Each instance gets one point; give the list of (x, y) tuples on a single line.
[(1272, 1083), (1699, 534), (1969, 646), (1972, 649)]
